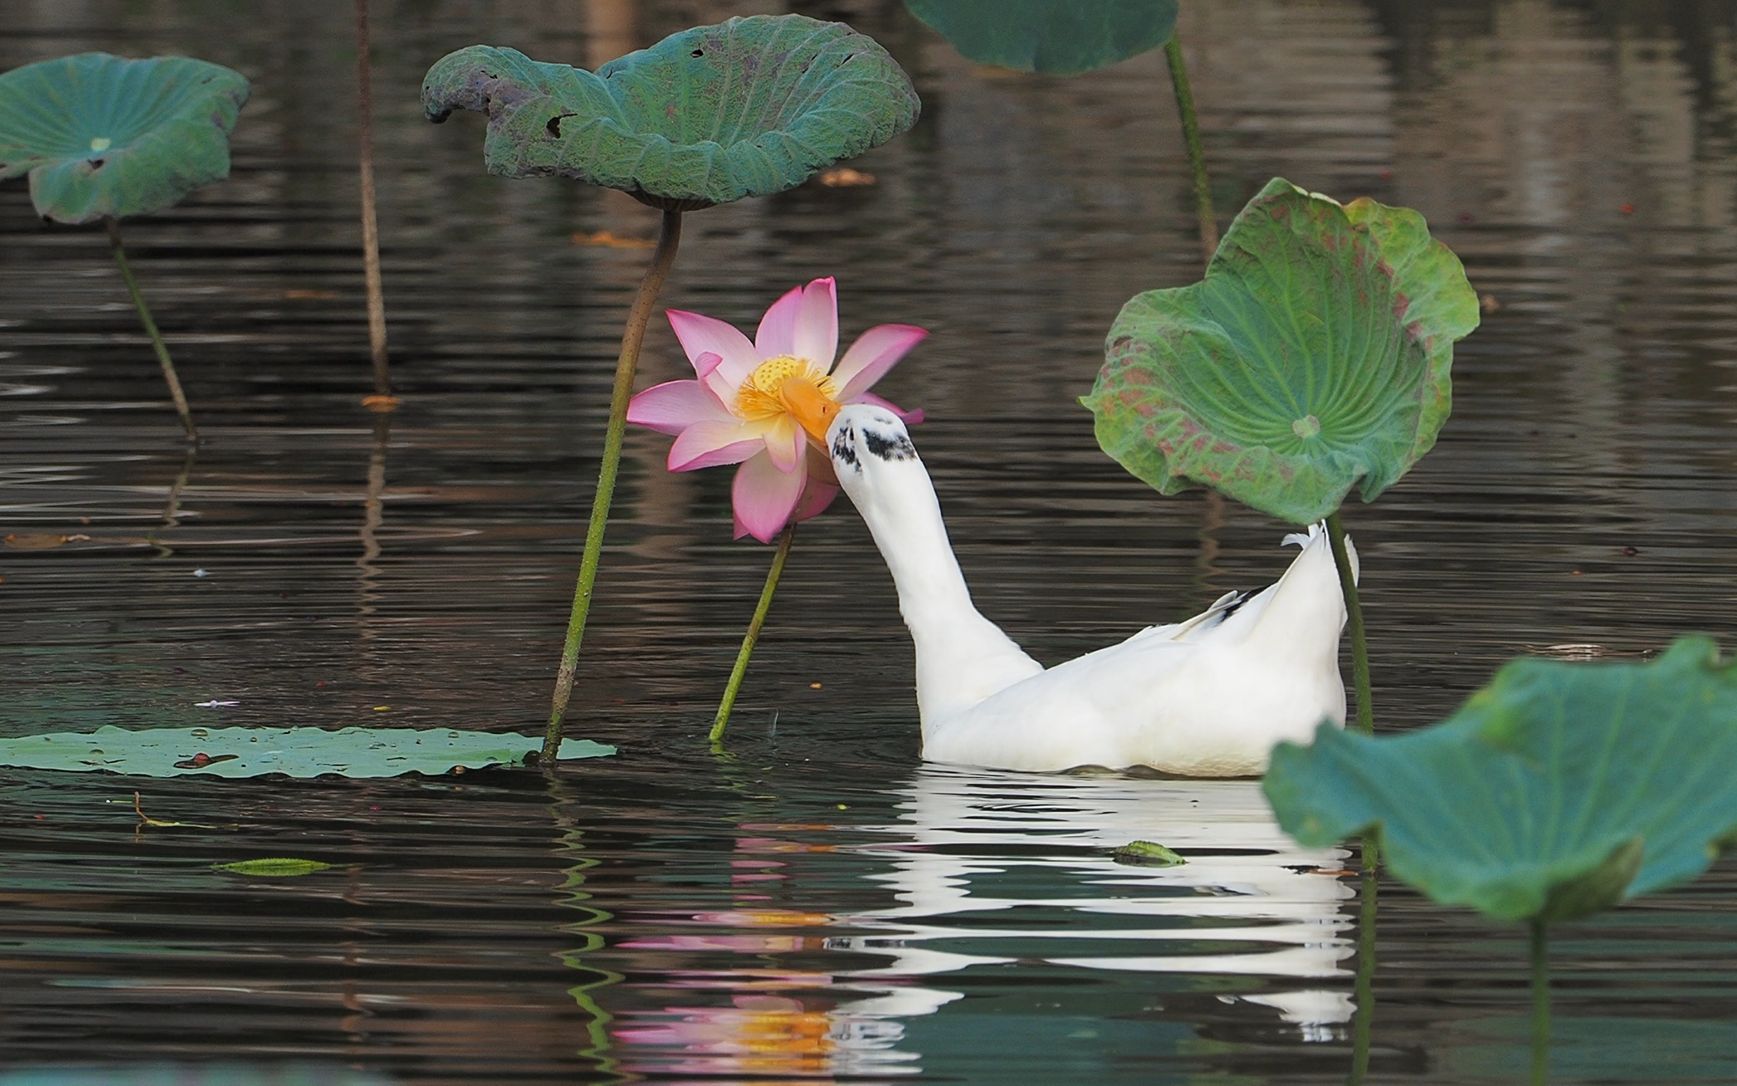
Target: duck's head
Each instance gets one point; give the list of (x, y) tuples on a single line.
[(869, 445)]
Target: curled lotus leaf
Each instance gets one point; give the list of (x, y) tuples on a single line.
[(103, 136), (1558, 790), (1060, 37), (293, 752), (1316, 354), (748, 107)]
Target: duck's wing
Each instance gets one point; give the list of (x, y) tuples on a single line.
[(1222, 608)]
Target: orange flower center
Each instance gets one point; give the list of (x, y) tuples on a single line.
[(787, 385)]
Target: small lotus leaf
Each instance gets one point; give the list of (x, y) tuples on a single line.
[(1061, 37), (747, 107), (274, 867), (1316, 352), (102, 136), (293, 752), (1558, 790)]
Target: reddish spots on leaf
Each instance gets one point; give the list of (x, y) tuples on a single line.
[(1400, 304)]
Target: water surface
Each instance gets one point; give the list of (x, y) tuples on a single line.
[(820, 904)]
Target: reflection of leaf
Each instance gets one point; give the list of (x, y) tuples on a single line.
[(1556, 791), (1316, 352), (294, 752), (181, 1074), (103, 136), (1058, 36), (748, 107), (41, 541), (273, 867)]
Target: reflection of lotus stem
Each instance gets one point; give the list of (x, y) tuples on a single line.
[(370, 225), (1191, 136), (175, 392), (1354, 612), (1540, 1005), (753, 635), (669, 235), (1363, 1019)]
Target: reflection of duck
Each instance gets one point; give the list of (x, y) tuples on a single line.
[(1003, 915), (991, 868), (1207, 697)]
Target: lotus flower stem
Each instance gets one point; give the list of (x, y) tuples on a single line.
[(752, 636), (1540, 1004), (1191, 136), (1354, 611), (1363, 1017), (626, 364), (168, 364), (370, 223)]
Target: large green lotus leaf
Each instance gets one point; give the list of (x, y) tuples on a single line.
[(293, 752), (748, 107), (1061, 37), (1315, 353), (1557, 790), (102, 136)]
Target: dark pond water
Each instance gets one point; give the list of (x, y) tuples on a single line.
[(819, 904)]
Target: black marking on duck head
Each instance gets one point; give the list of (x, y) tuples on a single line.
[(889, 446), (844, 448)]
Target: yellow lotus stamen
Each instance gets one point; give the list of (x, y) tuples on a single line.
[(787, 385)]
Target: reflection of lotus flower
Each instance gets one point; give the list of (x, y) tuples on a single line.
[(758, 404)]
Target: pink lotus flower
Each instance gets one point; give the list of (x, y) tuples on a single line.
[(766, 405)]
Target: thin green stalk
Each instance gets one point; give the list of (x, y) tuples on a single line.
[(669, 236), (163, 358), (1191, 136), (370, 223), (1354, 609), (752, 636), (1363, 1018), (1540, 1005)]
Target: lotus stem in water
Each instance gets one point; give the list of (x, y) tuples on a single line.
[(1191, 136), (626, 365), (752, 636), (370, 223), (163, 358)]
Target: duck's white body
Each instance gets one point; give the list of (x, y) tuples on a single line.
[(1207, 697)]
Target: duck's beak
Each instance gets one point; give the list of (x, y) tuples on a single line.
[(810, 407)]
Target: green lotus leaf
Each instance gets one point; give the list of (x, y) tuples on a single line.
[(1315, 353), (1061, 37), (274, 867), (293, 752), (748, 107), (102, 136), (1558, 790)]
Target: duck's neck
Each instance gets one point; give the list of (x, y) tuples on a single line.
[(962, 657)]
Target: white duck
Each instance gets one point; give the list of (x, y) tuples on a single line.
[(1206, 697)]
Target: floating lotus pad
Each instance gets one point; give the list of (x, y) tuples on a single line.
[(1556, 791), (1315, 353), (102, 136), (293, 752), (747, 107), (1062, 37)]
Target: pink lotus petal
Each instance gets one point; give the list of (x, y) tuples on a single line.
[(874, 353), (816, 496), (707, 444), (673, 406), (701, 335), (822, 486), (909, 418), (803, 323), (785, 442), (764, 497)]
